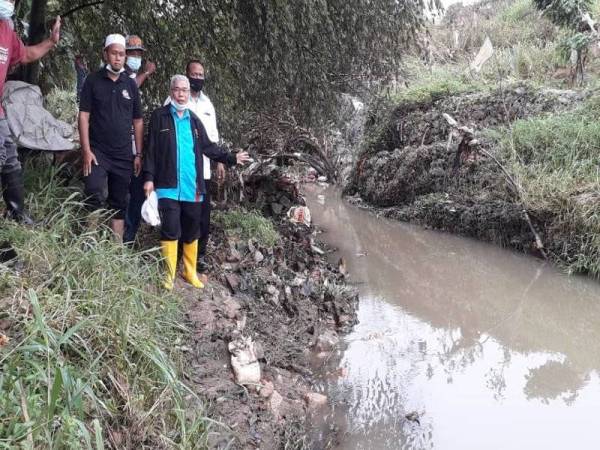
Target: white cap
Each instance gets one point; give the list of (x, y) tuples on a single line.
[(114, 39)]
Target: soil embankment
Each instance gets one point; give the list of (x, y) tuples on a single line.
[(290, 302), (410, 170)]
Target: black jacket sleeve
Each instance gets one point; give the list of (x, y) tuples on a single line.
[(212, 150), (150, 150)]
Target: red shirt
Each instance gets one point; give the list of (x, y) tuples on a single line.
[(12, 52)]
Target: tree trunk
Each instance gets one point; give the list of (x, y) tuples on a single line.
[(37, 33)]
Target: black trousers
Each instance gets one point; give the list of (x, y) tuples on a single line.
[(205, 222), (118, 188), (179, 220)]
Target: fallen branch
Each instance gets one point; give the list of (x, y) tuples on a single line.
[(273, 136), (467, 135)]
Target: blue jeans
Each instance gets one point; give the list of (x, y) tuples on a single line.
[(133, 216)]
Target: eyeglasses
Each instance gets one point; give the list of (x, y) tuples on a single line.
[(184, 90)]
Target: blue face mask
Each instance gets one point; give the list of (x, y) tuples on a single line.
[(178, 106), (134, 63), (7, 9)]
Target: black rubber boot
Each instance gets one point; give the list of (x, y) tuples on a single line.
[(13, 192)]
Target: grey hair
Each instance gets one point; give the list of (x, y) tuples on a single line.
[(176, 78)]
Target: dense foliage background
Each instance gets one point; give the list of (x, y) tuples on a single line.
[(260, 55)]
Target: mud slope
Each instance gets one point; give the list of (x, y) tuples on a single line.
[(407, 172)]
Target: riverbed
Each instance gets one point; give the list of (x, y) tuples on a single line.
[(461, 345)]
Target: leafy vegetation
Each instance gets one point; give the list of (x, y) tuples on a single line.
[(95, 347), (569, 14), (566, 13), (260, 55), (433, 85), (62, 104), (555, 161), (248, 225)]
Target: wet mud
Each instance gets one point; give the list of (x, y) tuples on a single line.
[(289, 300)]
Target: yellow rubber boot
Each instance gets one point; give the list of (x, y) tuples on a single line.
[(190, 254), (169, 252)]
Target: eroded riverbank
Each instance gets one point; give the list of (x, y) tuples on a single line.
[(479, 346)]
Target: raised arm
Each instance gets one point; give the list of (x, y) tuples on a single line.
[(35, 52)]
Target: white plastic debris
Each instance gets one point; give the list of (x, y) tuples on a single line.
[(246, 367), (150, 210), (485, 53), (299, 214)]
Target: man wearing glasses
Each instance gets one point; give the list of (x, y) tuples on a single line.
[(201, 106), (173, 166)]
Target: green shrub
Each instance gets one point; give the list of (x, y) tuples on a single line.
[(248, 225)]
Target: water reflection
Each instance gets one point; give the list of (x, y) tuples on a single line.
[(490, 348)]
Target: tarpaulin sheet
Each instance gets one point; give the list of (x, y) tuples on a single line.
[(30, 124)]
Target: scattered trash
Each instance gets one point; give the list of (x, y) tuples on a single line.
[(342, 267), (327, 341), (7, 252), (267, 389), (413, 417), (315, 401), (276, 404), (233, 281), (321, 199), (317, 250), (244, 361), (258, 257), (299, 214), (485, 53), (4, 340)]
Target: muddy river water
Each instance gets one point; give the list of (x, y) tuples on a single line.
[(481, 347)]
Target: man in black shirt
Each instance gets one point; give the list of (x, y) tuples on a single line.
[(109, 106)]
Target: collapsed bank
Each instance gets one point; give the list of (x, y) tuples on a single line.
[(519, 168)]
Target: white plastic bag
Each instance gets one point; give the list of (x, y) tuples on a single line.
[(244, 362), (150, 210), (299, 214)]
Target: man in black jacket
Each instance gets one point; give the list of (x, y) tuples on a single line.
[(173, 165)]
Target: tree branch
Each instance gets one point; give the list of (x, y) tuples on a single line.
[(77, 8)]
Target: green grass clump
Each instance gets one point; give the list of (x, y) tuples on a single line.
[(248, 225), (93, 360), (62, 104), (518, 10), (429, 86), (555, 162)]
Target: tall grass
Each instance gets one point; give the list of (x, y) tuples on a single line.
[(555, 161), (93, 360)]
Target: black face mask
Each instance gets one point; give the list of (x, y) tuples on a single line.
[(196, 84)]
